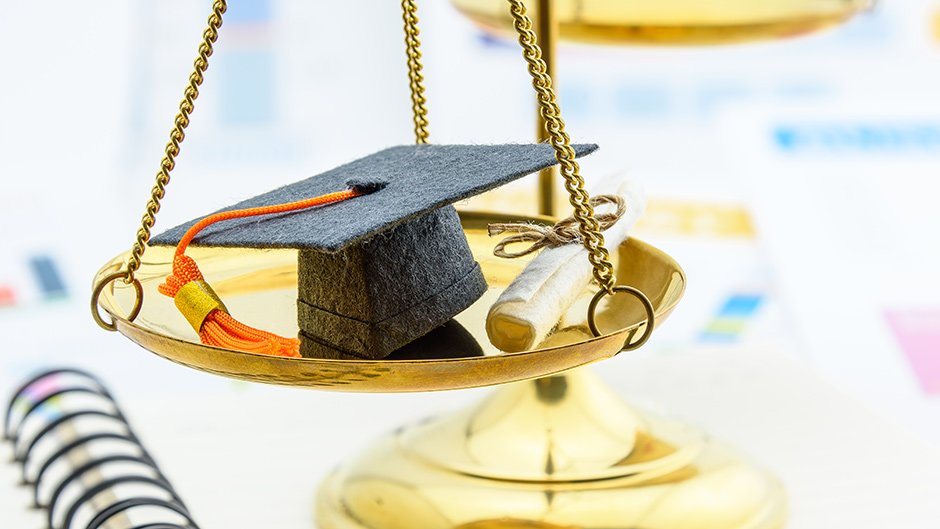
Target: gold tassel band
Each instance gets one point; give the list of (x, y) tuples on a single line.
[(195, 300)]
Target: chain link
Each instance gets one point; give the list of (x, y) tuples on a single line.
[(177, 134), (590, 231), (416, 79)]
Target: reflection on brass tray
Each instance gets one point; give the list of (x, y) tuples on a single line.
[(161, 329)]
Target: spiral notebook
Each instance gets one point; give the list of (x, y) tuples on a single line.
[(81, 461)]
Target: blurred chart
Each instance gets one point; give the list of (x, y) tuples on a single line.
[(844, 195)]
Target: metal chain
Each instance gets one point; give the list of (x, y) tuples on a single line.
[(413, 48), (590, 231), (172, 150), (209, 36)]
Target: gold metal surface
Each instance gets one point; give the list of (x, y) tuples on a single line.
[(676, 21), (568, 167), (555, 453), (415, 78), (260, 288)]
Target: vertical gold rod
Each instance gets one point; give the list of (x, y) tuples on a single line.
[(546, 24)]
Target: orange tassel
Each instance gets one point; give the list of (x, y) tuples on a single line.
[(217, 327)]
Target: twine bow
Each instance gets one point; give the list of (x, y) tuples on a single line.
[(563, 232)]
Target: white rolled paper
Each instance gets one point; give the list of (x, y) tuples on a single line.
[(531, 306)]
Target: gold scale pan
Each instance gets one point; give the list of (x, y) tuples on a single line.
[(261, 286)]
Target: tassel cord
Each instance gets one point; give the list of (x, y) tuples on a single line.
[(217, 327)]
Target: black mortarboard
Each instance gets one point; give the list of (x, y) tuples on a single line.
[(380, 270)]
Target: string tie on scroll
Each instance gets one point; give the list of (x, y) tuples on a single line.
[(561, 233)]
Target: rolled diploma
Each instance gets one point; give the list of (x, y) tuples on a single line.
[(535, 301)]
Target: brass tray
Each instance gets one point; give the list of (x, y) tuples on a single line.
[(675, 22), (259, 288)]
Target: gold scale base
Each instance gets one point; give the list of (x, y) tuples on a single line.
[(561, 452)]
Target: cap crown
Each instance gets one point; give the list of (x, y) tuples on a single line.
[(410, 180)]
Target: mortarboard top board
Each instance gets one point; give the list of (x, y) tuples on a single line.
[(413, 180), (380, 270)]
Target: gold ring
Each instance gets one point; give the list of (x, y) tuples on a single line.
[(650, 314), (99, 288)]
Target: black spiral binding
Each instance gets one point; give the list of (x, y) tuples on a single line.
[(39, 392)]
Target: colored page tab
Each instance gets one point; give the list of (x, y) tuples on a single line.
[(732, 318), (918, 335), (7, 296), (47, 276)]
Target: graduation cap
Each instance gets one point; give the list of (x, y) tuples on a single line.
[(391, 263)]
